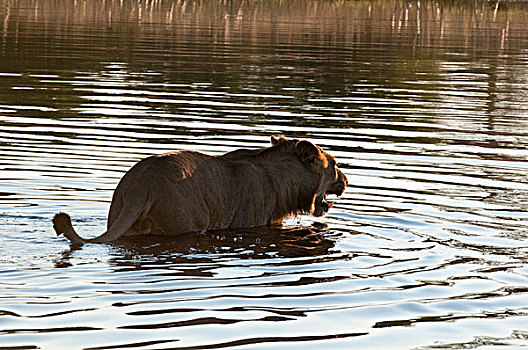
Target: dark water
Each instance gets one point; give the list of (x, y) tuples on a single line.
[(423, 103)]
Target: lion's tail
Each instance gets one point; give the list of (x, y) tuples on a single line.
[(62, 225), (126, 218)]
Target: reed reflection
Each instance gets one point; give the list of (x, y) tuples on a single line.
[(243, 43)]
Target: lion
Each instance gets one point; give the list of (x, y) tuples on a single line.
[(187, 191)]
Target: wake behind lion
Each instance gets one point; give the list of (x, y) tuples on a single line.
[(181, 192)]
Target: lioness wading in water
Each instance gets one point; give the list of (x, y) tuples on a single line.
[(188, 191)]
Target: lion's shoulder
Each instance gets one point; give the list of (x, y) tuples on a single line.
[(241, 154), (182, 156)]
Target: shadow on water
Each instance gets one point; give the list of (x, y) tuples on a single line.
[(256, 243)]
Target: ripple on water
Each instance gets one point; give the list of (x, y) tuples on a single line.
[(423, 105)]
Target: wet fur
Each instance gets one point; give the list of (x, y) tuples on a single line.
[(188, 191)]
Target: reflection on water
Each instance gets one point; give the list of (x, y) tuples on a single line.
[(255, 243), (423, 104)]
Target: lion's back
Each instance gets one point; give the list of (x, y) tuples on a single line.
[(174, 165)]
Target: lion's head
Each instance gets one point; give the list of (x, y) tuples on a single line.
[(330, 180)]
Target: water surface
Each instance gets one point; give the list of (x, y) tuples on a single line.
[(423, 103)]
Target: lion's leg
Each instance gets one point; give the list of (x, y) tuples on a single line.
[(142, 226)]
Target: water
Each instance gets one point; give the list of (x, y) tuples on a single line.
[(424, 104)]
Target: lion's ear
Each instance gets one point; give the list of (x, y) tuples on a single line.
[(308, 153), (277, 140)]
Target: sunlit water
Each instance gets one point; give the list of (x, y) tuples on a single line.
[(424, 104)]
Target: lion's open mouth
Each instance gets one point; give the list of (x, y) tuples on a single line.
[(322, 205), (326, 202)]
